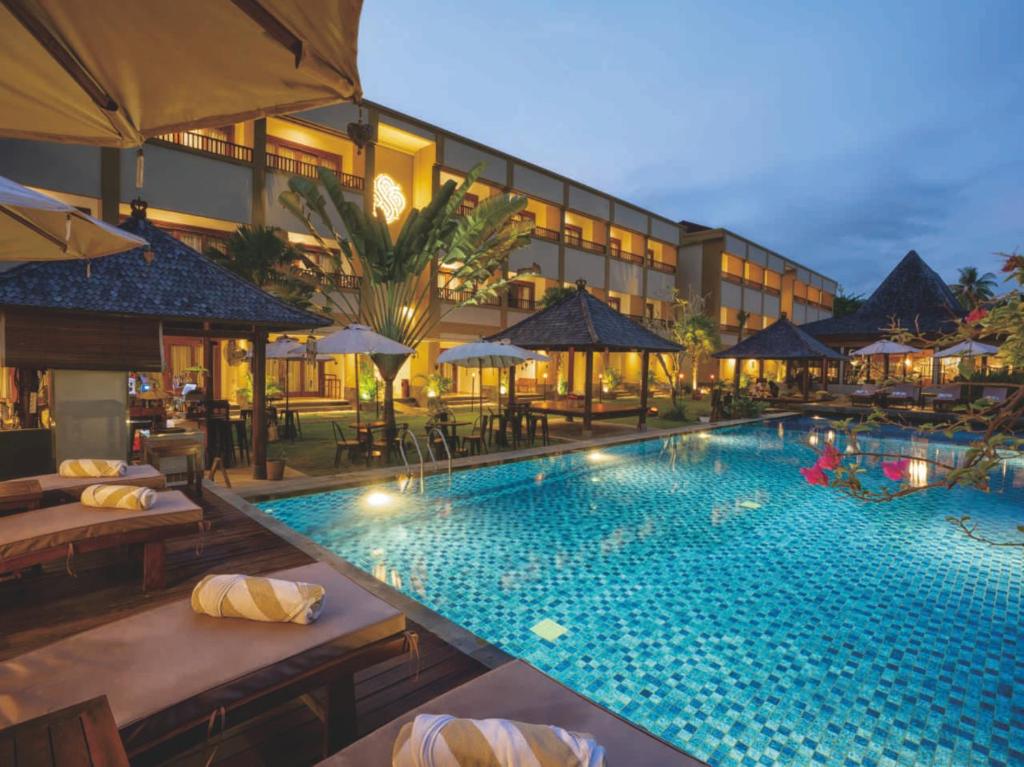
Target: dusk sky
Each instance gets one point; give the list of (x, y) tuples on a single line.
[(839, 134)]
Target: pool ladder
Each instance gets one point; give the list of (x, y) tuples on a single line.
[(406, 433), (444, 441)]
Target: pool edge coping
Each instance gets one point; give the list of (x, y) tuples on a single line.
[(324, 483)]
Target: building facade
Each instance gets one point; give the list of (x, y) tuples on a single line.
[(201, 185)]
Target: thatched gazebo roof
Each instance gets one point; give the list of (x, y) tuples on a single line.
[(913, 295), (581, 322), (782, 340)]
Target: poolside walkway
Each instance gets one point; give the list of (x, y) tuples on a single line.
[(47, 606)]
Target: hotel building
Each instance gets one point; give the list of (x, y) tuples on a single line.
[(201, 185)]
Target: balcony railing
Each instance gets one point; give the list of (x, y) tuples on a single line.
[(545, 234), (625, 255), (464, 209), (208, 144), (574, 241), (660, 266), (521, 302), (309, 170), (332, 280), (733, 278), (457, 296)]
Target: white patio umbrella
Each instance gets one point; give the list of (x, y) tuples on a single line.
[(34, 227), (283, 348), (969, 348), (488, 354), (885, 348), (359, 339)]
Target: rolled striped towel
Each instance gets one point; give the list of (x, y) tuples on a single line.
[(258, 599), (119, 497), (92, 467), (432, 740)]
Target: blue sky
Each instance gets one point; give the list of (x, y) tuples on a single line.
[(841, 134)]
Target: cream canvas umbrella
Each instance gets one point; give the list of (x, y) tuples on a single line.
[(34, 227), (114, 73), (968, 349), (359, 339), (885, 348), (488, 354)]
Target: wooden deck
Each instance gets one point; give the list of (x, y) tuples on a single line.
[(43, 607)]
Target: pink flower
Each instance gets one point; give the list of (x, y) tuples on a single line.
[(896, 470), (977, 315), (814, 475), (829, 458)]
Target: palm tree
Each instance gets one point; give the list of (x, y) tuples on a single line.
[(846, 303), (741, 322), (697, 332), (556, 293), (263, 256), (972, 289), (434, 249)]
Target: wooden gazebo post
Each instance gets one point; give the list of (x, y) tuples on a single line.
[(259, 405), (645, 363), (824, 373), (588, 394), (736, 375)]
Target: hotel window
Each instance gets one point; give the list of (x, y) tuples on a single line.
[(732, 268), (827, 300), (814, 295), (615, 246), (615, 303), (772, 281), (521, 295), (800, 290), (469, 203), (573, 235), (754, 274), (728, 318), (649, 311)]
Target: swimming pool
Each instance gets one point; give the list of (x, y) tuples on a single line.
[(699, 587)]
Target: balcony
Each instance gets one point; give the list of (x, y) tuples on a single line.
[(660, 266), (574, 241), (208, 145), (309, 170), (545, 234), (527, 303), (332, 280), (616, 251), (457, 296)]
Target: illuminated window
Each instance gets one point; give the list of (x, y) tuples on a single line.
[(754, 273), (732, 267), (772, 280)]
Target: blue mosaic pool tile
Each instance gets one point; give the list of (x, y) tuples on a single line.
[(714, 598)]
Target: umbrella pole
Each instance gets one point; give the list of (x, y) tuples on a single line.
[(357, 396), (480, 383)]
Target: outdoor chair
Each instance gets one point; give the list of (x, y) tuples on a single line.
[(343, 446), (901, 395), (865, 394), (519, 692), (61, 532), (475, 442), (169, 672)]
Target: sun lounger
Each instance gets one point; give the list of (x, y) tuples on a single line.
[(57, 489), (901, 395), (165, 671), (864, 395), (946, 397), (520, 692), (60, 532), (994, 395)]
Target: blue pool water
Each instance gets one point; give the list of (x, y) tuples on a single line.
[(712, 596)]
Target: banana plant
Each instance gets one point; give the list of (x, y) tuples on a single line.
[(399, 277)]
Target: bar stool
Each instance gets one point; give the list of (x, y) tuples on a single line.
[(534, 420), (219, 441), (241, 440)]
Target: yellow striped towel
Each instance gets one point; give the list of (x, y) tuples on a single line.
[(432, 740), (119, 497), (92, 467), (258, 599)]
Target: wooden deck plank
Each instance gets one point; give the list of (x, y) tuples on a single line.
[(46, 606)]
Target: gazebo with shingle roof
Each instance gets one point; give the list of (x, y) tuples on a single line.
[(112, 313), (782, 340), (582, 323)]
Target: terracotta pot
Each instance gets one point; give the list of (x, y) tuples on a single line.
[(275, 469)]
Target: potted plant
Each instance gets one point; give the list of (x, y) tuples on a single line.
[(275, 468), (610, 380)]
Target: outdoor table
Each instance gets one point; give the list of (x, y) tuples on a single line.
[(84, 733)]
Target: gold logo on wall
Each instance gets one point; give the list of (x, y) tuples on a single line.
[(388, 197)]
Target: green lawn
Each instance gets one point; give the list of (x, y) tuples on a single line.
[(314, 453)]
